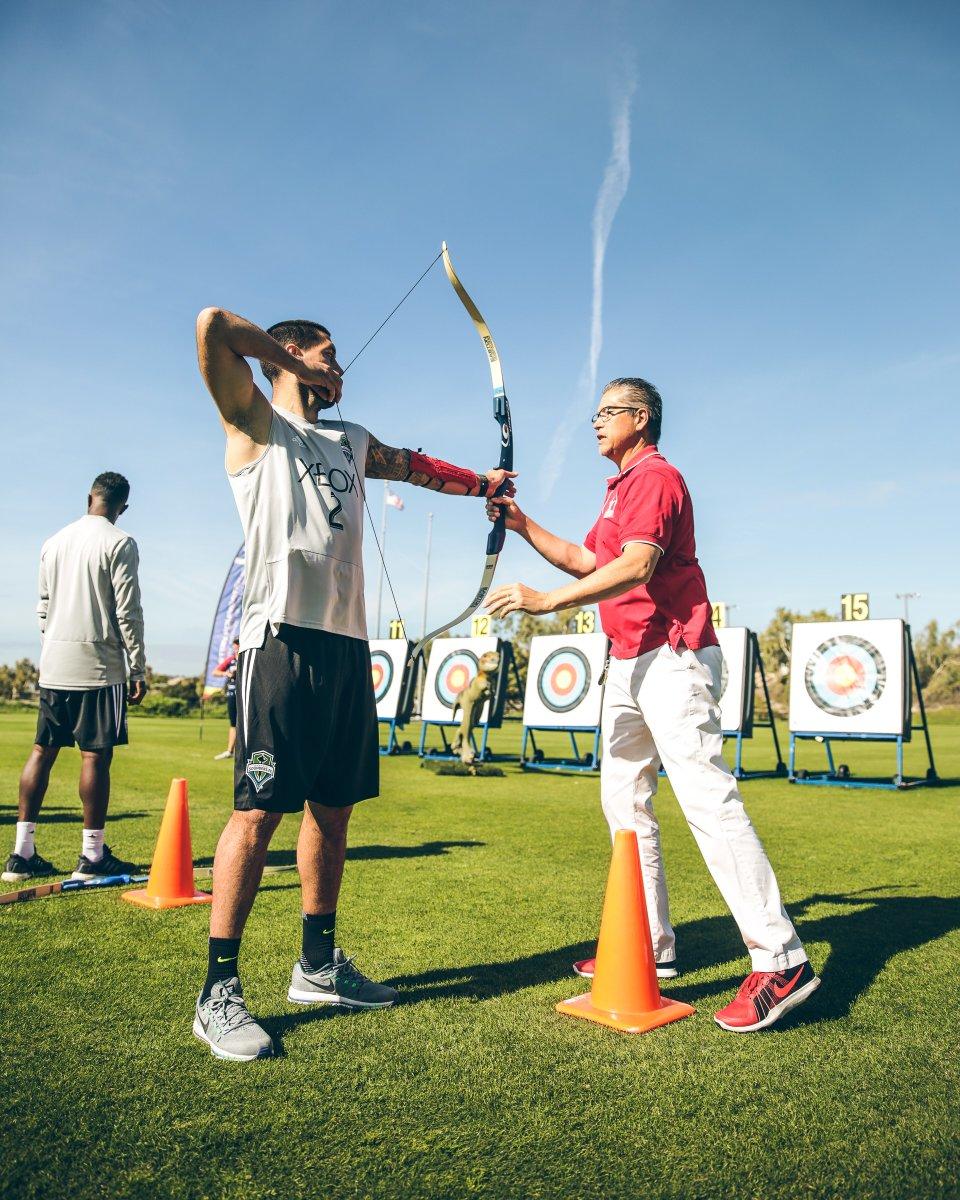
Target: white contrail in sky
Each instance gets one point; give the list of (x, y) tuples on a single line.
[(616, 178)]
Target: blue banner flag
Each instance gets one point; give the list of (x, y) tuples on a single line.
[(226, 624)]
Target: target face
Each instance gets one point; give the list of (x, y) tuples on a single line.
[(562, 689), (456, 672), (736, 681), (564, 679), (382, 671), (845, 676), (390, 676), (849, 678)]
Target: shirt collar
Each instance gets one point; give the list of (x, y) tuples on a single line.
[(645, 453)]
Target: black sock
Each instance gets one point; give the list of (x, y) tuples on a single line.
[(221, 962), (318, 934)]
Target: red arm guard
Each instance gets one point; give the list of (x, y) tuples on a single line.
[(443, 472)]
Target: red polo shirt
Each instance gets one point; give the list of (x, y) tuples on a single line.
[(649, 502)]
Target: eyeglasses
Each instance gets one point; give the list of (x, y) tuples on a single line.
[(604, 414)]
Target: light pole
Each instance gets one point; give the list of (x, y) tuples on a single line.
[(426, 573), (906, 597)]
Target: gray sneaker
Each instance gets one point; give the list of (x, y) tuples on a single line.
[(339, 982), (223, 1021)]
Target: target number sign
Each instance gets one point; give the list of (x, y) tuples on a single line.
[(855, 606), (718, 615), (480, 627), (397, 632), (584, 621)]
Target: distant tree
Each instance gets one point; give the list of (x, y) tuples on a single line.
[(26, 677), (934, 648), (775, 651), (938, 663), (186, 687), (6, 682)]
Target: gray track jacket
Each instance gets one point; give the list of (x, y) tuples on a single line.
[(89, 607)]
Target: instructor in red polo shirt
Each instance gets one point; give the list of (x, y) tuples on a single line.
[(661, 700)]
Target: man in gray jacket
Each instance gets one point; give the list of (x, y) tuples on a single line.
[(90, 616)]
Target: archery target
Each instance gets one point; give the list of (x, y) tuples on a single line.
[(845, 676), (563, 681), (455, 673), (453, 666), (736, 680), (388, 663), (849, 677)]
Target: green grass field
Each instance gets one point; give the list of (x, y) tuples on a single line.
[(473, 896)]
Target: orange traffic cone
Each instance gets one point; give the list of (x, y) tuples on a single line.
[(171, 875), (625, 994)]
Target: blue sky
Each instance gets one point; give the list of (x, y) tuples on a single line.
[(783, 265)]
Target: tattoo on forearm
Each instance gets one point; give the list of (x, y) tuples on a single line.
[(389, 462), (386, 462)]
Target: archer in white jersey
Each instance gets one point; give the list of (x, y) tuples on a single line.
[(307, 735)]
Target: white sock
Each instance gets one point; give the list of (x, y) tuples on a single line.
[(25, 843), (93, 845)]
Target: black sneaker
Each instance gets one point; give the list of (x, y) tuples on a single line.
[(108, 865), (19, 868)]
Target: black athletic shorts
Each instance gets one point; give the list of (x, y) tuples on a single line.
[(306, 723), (232, 708), (93, 719)]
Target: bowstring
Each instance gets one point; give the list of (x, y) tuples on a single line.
[(361, 478)]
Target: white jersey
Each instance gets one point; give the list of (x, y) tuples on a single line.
[(89, 607), (301, 505)]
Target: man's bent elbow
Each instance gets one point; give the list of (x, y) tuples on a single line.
[(208, 322)]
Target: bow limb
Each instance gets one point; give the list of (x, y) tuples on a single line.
[(501, 413)]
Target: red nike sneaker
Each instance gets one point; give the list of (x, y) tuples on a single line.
[(667, 970), (765, 996)]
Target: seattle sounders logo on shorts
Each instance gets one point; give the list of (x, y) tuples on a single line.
[(261, 767)]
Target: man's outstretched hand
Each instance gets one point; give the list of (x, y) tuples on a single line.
[(517, 597)]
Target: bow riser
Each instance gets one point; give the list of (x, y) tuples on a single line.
[(501, 412)]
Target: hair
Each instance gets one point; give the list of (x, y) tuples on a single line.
[(112, 489), (646, 396), (301, 332)]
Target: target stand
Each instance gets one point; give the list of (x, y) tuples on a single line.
[(453, 665), (564, 695), (742, 673), (394, 684), (860, 676)]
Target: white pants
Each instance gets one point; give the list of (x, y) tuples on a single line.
[(663, 707)]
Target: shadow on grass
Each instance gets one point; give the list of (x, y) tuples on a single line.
[(68, 816), (862, 941), (288, 858)]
